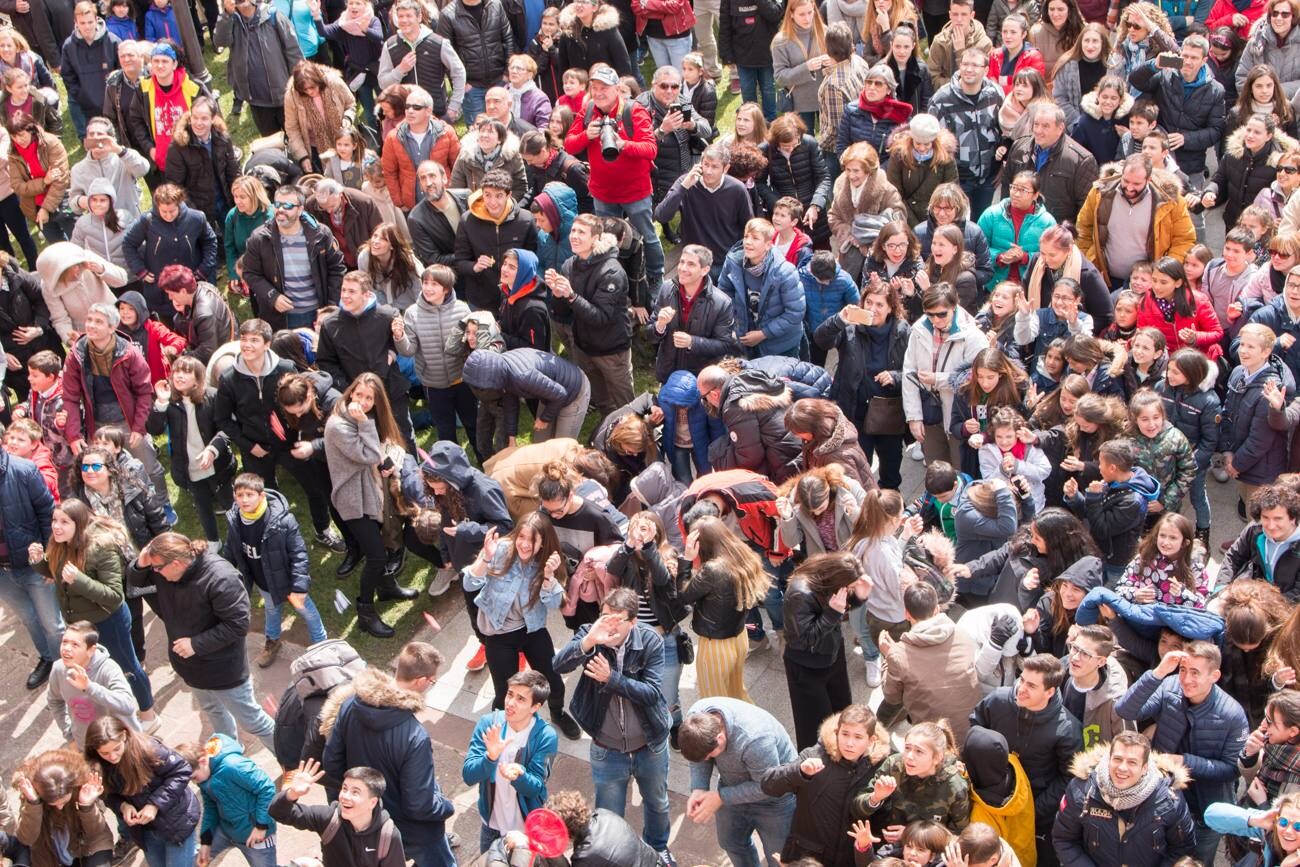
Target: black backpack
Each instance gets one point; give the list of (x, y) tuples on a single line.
[(321, 667), (386, 832)]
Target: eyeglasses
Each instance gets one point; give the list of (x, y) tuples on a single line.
[(1076, 650), (1280, 13), (897, 245), (1021, 188), (91, 468), (285, 206), (938, 314), (1280, 254), (415, 106), (664, 85), (1135, 26), (1287, 823)]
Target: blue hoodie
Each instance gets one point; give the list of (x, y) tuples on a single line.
[(682, 392), (553, 247), (236, 794), (825, 300), (523, 316)]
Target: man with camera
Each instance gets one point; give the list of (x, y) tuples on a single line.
[(617, 139)]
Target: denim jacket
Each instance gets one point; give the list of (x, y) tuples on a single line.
[(500, 592), (639, 679)]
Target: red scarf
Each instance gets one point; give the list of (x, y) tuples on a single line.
[(886, 109), (1017, 450)]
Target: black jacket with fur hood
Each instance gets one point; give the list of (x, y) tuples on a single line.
[(599, 304), (823, 800), (374, 723), (1090, 831), (752, 407), (602, 42)]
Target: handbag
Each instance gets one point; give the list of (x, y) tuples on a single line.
[(685, 649), (931, 403), (884, 417), (866, 227)]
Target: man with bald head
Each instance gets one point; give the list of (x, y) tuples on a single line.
[(499, 105), (434, 220)]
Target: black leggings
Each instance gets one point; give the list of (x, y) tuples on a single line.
[(366, 536), (135, 604), (816, 693), (503, 661)]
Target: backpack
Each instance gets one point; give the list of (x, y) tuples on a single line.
[(321, 667), (625, 120), (386, 832)]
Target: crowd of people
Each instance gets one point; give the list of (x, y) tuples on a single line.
[(971, 234)]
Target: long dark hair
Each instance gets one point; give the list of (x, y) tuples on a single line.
[(547, 544), (827, 574), (139, 760), (1067, 541), (287, 343), (1010, 378), (1148, 550), (1173, 269)]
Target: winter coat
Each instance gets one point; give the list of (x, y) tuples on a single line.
[(638, 675), (209, 606), (1045, 741), (842, 448), (167, 790), (973, 121), (853, 344), (956, 351), (175, 421), (89, 832), (237, 794), (781, 304), (428, 328), (268, 35), (399, 166), (1209, 735), (131, 382), (264, 267), (1195, 412), (373, 722), (96, 592), (1096, 134), (354, 453), (349, 847), (753, 406), (915, 83), (433, 237), (483, 41), (822, 801), (284, 554), (1065, 179), (153, 243), (536, 756), (803, 378), (857, 124), (582, 47), (206, 177), (878, 196), (1067, 92), (803, 174), (1196, 111), (86, 66), (1262, 47), (108, 693), (942, 797), (1168, 458), (469, 169), (916, 182), (600, 301), (1000, 230), (306, 129), (791, 73), (677, 149), (1028, 58), (1209, 333), (930, 673), (353, 344), (801, 530), (943, 59), (142, 120), (1117, 515), (1089, 829), (711, 325), (1242, 174), (22, 305), (53, 186), (524, 374), (1245, 559), (481, 234), (746, 29), (1258, 451)]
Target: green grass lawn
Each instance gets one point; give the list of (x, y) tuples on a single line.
[(405, 617)]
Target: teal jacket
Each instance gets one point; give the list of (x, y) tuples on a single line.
[(1001, 234), (236, 795), (536, 757)]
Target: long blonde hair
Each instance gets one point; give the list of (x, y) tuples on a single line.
[(729, 554), (818, 27)]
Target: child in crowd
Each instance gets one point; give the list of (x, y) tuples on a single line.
[(1167, 568), (1254, 453), (1124, 325), (575, 93), (237, 797), (344, 164), (23, 439), (995, 383), (1260, 223), (1147, 358), (1194, 264), (544, 49), (1227, 277), (699, 90), (1163, 451), (1142, 119), (1050, 369), (1192, 404), (1115, 506), (120, 20), (944, 487), (1010, 453), (924, 781)]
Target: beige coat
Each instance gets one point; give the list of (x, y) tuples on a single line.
[(930, 673), (69, 299), (517, 471), (878, 197), (305, 128)]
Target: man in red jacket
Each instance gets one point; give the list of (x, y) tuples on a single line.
[(622, 186)]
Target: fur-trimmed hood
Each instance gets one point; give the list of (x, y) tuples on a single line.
[(376, 690), (826, 736), (1089, 106), (1083, 764), (606, 18), (756, 391), (1236, 144), (1165, 182), (843, 432), (604, 243)]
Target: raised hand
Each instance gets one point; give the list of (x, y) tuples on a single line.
[(308, 774), (91, 790), (1170, 663), (811, 766), (863, 839), (884, 787), (494, 742)]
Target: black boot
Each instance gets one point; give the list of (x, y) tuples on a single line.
[(368, 620), (351, 560), (392, 591), (1203, 536), (40, 674), (394, 563)]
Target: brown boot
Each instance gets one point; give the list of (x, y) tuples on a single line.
[(269, 652)]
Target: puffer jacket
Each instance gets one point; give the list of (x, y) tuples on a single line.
[(482, 497), (930, 674), (1000, 230), (1172, 232), (803, 174), (167, 790), (237, 793), (1194, 410), (1209, 735), (482, 41), (1276, 317), (677, 149), (978, 534), (1028, 58), (853, 344), (582, 47), (1262, 47), (1242, 174), (599, 306), (746, 29), (373, 722), (553, 248), (942, 797), (525, 374), (480, 234), (1096, 134), (1197, 111), (399, 164), (680, 391), (752, 406), (1090, 830), (1045, 740), (284, 554), (428, 328), (1169, 459), (781, 303), (803, 378), (822, 800), (206, 176), (711, 325), (1065, 179), (858, 124), (153, 243), (270, 36), (1258, 451)]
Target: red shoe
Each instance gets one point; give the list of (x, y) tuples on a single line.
[(478, 661), (523, 662)]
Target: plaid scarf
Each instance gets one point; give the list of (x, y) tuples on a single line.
[(1280, 765)]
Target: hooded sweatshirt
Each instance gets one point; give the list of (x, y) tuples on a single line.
[(91, 231), (524, 318), (107, 694), (122, 171)]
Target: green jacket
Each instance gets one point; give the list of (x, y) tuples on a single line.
[(96, 591), (1169, 458), (943, 797)]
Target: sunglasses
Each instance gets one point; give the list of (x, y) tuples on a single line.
[(1290, 170), (1287, 823), (284, 206), (938, 314), (91, 468)]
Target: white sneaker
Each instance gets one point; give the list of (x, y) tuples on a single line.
[(441, 582), (915, 452), (1219, 468), (873, 673)]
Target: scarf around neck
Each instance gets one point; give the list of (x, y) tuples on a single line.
[(1126, 799), (1073, 268)]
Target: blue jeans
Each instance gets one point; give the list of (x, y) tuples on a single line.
[(610, 772), (486, 836), (307, 612), (229, 709), (36, 605), (641, 215), (115, 636), (300, 319), (772, 602), (433, 854), (1200, 499), (858, 620), (756, 79), (738, 822), (669, 52), (671, 681), (78, 118), (475, 103), (980, 195), (256, 857), (160, 853), (1207, 843)]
